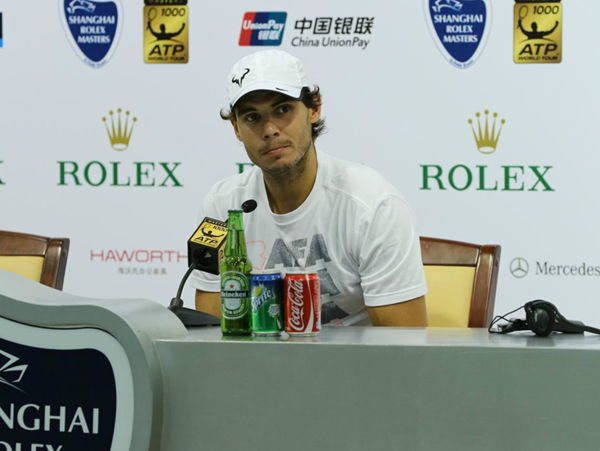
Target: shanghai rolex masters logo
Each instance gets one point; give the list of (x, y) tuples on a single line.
[(119, 129)]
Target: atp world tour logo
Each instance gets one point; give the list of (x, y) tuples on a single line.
[(92, 27), (459, 28)]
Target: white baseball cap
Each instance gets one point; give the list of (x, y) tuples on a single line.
[(270, 70)]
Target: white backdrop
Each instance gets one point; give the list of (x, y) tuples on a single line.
[(395, 104)]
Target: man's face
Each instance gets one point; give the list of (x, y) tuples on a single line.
[(275, 129)]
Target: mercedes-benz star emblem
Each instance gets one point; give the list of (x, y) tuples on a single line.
[(519, 267)]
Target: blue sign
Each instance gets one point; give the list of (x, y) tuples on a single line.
[(459, 28), (54, 399), (93, 28)]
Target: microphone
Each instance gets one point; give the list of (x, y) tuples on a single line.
[(205, 251), (249, 206), (206, 245)]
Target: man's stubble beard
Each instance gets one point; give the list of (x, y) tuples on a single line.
[(291, 171)]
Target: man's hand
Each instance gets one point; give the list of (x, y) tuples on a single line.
[(209, 302), (411, 313)]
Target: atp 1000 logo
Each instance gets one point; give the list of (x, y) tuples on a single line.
[(119, 125), (538, 31), (166, 28), (486, 129)]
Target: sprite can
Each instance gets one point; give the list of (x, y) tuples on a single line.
[(266, 290)]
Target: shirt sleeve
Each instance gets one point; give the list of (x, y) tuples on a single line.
[(390, 264), (199, 279)]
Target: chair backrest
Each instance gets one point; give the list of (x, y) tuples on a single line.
[(461, 282), (35, 257)]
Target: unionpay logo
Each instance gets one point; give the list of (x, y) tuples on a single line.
[(262, 28)]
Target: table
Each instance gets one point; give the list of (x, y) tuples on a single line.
[(361, 388), (353, 388)]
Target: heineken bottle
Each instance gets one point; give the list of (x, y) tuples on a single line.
[(236, 311)]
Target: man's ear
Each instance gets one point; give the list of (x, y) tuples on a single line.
[(314, 113)]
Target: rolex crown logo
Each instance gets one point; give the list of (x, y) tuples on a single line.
[(119, 129), (486, 137)]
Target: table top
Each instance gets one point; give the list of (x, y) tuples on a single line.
[(413, 337)]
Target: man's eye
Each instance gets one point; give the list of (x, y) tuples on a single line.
[(252, 117), (282, 109)]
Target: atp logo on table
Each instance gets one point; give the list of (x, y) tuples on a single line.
[(262, 28)]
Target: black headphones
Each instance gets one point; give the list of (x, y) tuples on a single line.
[(543, 318)]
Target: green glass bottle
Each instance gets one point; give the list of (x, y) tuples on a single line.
[(236, 311)]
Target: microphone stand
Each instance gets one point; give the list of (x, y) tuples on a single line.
[(190, 317)]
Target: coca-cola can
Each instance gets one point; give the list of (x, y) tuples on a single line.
[(302, 303)]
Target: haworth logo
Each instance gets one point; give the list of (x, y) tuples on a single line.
[(137, 255), (262, 28), (11, 372), (461, 177), (138, 262), (119, 130)]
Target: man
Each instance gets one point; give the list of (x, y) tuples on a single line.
[(316, 212)]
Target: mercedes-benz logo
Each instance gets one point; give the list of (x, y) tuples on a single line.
[(519, 267)]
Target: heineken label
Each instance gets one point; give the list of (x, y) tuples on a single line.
[(235, 288)]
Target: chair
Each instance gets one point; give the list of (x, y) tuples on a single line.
[(461, 282), (38, 258)]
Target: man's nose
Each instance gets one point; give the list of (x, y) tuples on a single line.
[(271, 129)]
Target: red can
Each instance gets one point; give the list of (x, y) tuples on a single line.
[(302, 303)]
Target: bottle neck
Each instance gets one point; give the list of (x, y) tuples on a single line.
[(236, 240), (236, 243)]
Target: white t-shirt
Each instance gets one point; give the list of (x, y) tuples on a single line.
[(354, 229)]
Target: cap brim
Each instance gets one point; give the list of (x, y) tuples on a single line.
[(292, 91)]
